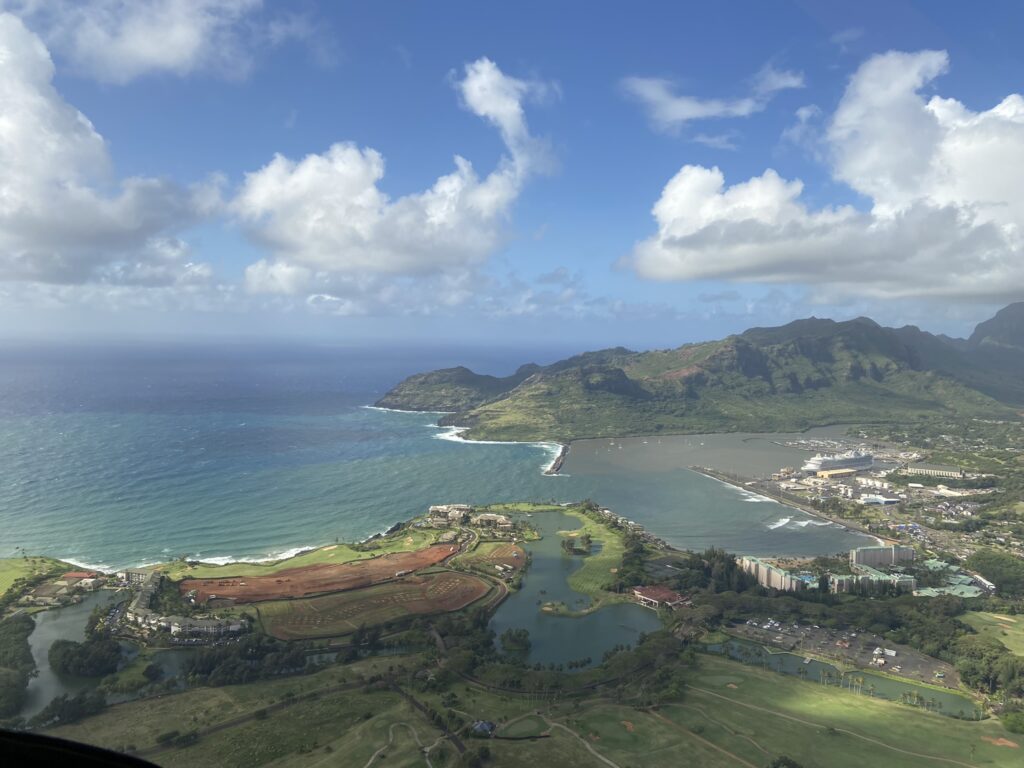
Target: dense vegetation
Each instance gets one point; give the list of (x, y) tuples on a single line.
[(96, 657), (252, 658), (810, 372), (16, 662), (1001, 568), (66, 709)]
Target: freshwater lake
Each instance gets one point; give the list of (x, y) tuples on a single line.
[(560, 639)]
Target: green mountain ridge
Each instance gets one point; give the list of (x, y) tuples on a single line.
[(809, 372)]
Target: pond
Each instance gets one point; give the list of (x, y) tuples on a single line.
[(69, 623), (857, 681), (66, 623), (556, 639)]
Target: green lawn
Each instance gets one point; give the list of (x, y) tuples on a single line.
[(14, 568), (333, 553), (140, 722), (531, 725), (1009, 630), (523, 506), (769, 714), (598, 567)]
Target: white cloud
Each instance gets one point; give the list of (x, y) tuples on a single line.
[(118, 41), (325, 217), (946, 211), (63, 217), (846, 37), (805, 131), (669, 111)]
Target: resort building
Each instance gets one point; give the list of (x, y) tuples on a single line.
[(868, 579), (448, 514), (874, 557), (772, 576), (138, 609), (657, 596), (134, 575), (491, 519)]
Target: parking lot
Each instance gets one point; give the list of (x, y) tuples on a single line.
[(849, 647)]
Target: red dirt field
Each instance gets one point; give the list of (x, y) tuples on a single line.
[(342, 612), (316, 579)]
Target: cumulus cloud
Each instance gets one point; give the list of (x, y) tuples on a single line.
[(946, 211), (325, 217), (118, 41), (63, 217), (669, 111)]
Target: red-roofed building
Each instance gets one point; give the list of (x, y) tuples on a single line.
[(80, 575), (656, 597)]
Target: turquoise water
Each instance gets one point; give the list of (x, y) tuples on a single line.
[(120, 463)]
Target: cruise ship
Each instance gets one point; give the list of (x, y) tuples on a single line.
[(848, 460)]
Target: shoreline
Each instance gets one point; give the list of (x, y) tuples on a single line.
[(733, 482)]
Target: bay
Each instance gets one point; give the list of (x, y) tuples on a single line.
[(119, 460)]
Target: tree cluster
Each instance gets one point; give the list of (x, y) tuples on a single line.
[(96, 657), (252, 658), (1001, 568), (16, 662)]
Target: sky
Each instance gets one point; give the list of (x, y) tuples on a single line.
[(574, 172)]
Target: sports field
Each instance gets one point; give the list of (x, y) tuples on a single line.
[(343, 612), (1009, 630), (316, 579)]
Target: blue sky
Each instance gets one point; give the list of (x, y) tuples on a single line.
[(890, 192)]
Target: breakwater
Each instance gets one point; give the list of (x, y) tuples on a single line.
[(555, 467)]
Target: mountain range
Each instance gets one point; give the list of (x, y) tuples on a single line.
[(807, 373)]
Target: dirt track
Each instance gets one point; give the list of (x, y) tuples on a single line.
[(316, 579)]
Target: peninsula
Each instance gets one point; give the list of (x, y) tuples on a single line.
[(808, 373)]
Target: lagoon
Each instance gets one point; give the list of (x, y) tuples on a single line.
[(557, 639)]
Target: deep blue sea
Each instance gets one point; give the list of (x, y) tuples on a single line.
[(121, 456)]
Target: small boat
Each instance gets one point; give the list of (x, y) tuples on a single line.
[(807, 661)]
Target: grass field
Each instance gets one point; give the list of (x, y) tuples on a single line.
[(531, 725), (523, 506), (339, 728), (333, 553), (1009, 630), (341, 613), (598, 567), (14, 568), (731, 715)]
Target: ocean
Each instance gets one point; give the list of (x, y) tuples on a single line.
[(126, 456)]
